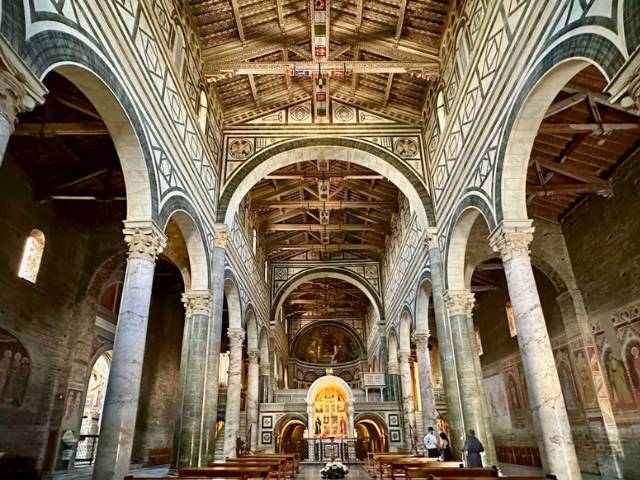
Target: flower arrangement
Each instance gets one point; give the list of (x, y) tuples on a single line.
[(334, 470)]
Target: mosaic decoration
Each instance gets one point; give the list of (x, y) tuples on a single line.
[(326, 345)]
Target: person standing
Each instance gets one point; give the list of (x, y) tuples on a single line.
[(431, 444), (472, 448), (445, 448)]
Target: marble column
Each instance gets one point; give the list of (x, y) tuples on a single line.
[(459, 303), (265, 381), (427, 398), (546, 402), (310, 433), (214, 335), (491, 456), (407, 395), (20, 91), (194, 372), (445, 344), (232, 414), (384, 362), (120, 408), (253, 392)]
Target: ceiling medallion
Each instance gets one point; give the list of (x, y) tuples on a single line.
[(240, 148), (406, 147)]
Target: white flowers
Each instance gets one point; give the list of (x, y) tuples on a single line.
[(334, 470)]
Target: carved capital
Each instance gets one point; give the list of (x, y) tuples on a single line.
[(265, 369), (394, 368), (459, 302), (220, 235), (512, 239), (431, 238), (197, 302), (254, 355), (236, 337), (633, 91), (421, 340), (145, 240), (20, 90)]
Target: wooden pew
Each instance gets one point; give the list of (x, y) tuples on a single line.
[(159, 456), (292, 458), (278, 464), (221, 470), (381, 461), (435, 476), (425, 471), (400, 464)]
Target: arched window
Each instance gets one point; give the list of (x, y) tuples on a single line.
[(203, 111), (266, 271), (32, 256), (255, 241), (441, 110), (462, 51)]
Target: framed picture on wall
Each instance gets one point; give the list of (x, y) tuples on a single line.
[(394, 436), (267, 438), (267, 421), (394, 420)]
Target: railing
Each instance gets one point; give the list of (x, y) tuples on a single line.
[(86, 450)]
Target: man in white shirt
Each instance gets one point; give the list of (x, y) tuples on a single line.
[(431, 443)]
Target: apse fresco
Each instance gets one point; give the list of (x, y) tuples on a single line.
[(327, 345)]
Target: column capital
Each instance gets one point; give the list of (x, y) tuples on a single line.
[(254, 355), (512, 239), (459, 302), (236, 336), (20, 89), (220, 235), (422, 339), (197, 302), (145, 239), (394, 368), (431, 237), (265, 368)]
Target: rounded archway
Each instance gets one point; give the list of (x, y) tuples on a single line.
[(314, 149), (292, 436), (330, 407), (371, 435)]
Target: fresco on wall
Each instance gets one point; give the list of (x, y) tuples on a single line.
[(15, 366), (326, 345), (618, 382), (633, 363), (584, 379), (497, 400)]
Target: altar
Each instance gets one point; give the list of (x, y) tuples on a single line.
[(330, 415)]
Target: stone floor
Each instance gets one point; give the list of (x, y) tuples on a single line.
[(307, 472)]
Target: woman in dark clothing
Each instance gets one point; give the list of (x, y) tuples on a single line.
[(445, 448), (473, 447)]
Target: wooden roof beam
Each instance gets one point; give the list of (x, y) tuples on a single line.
[(336, 204), (602, 188), (60, 128), (236, 15), (571, 172), (589, 128), (401, 15), (334, 227)]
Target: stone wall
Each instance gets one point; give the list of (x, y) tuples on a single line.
[(39, 315), (602, 239), (160, 376)]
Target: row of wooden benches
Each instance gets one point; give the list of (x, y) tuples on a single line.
[(417, 467), (263, 466)]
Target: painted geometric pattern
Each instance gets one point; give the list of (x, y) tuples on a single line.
[(151, 55), (467, 107), (576, 13), (68, 12), (405, 148), (369, 273), (251, 284)]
